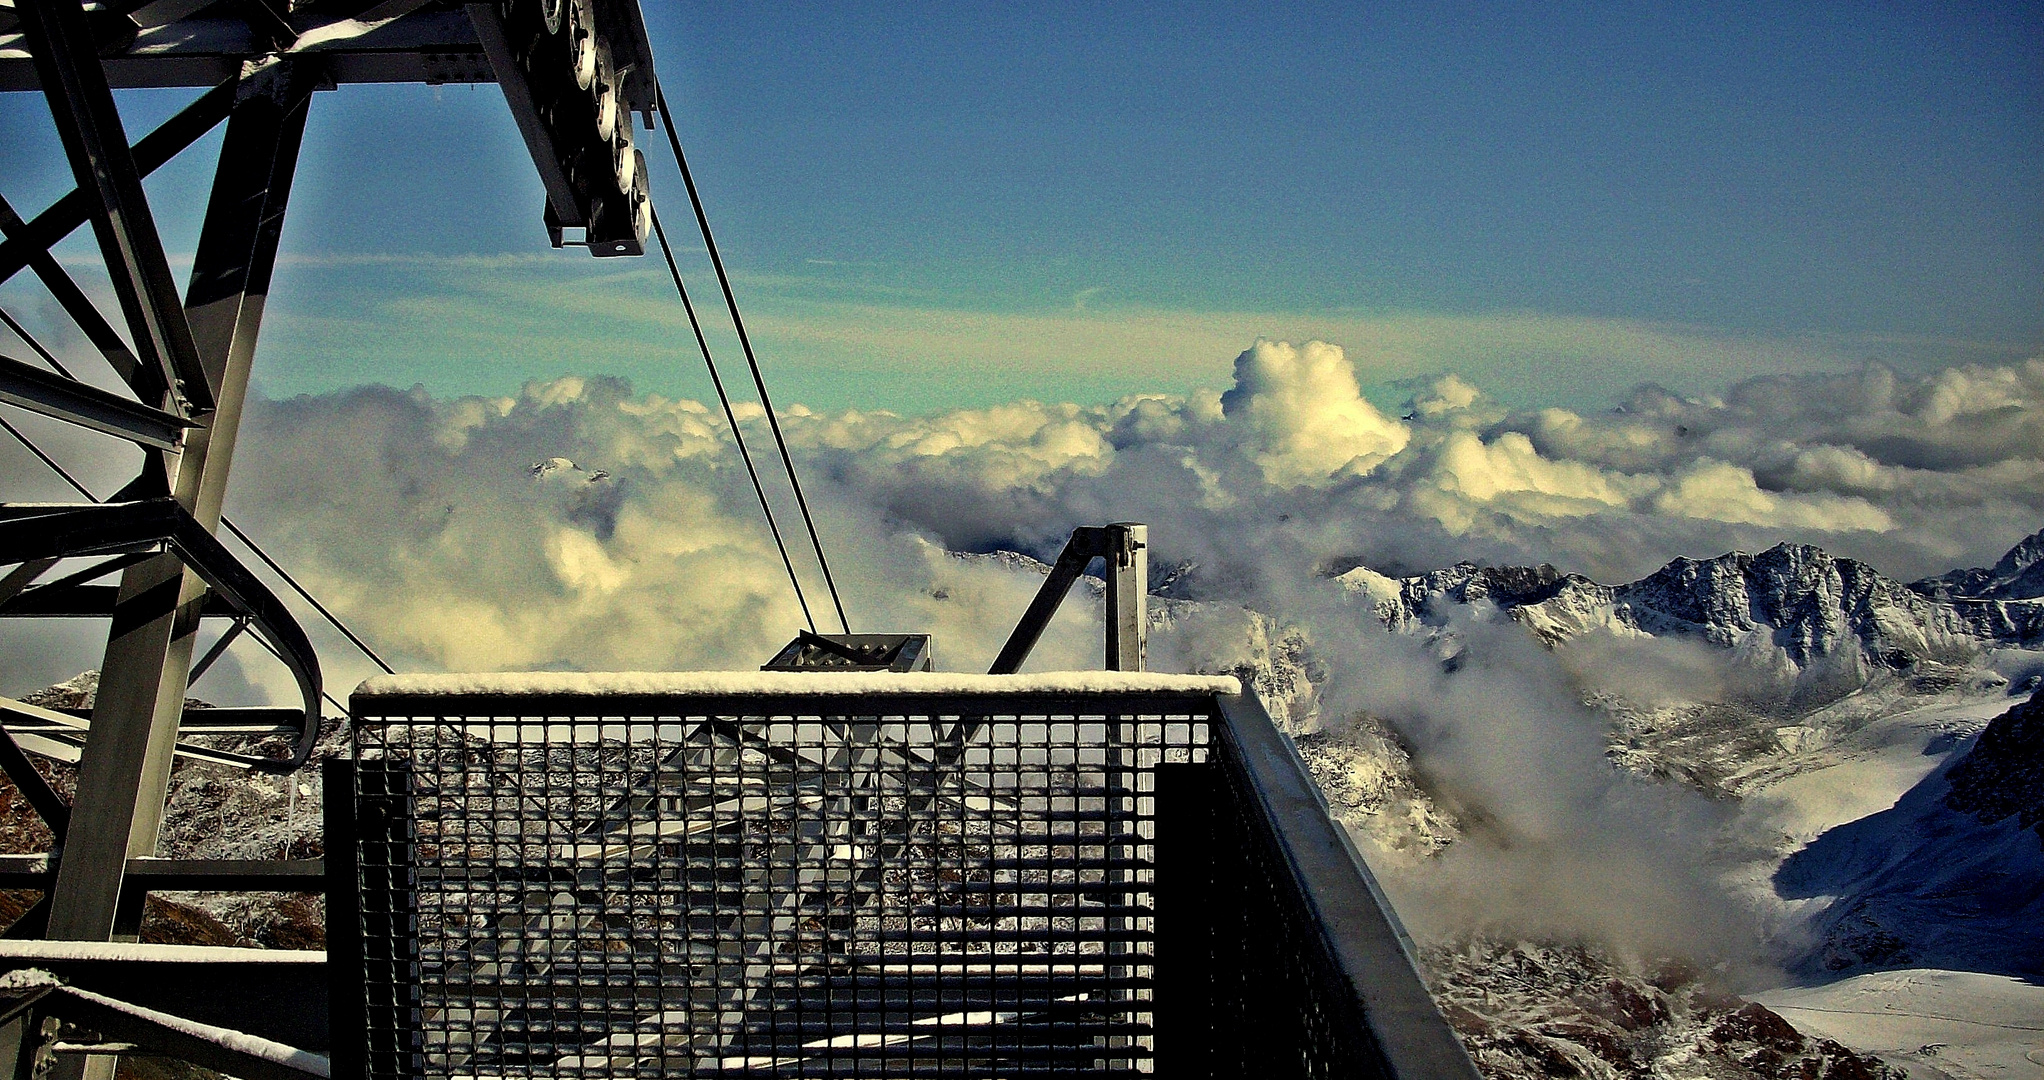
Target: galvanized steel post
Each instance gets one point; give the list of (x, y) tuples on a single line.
[(1128, 588)]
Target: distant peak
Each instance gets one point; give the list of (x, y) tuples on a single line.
[(2019, 575), (560, 466)]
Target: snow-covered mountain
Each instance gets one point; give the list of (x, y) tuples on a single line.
[(1882, 821), (2002, 778), (1951, 876), (1792, 610), (2018, 576), (1878, 819), (1597, 1014)]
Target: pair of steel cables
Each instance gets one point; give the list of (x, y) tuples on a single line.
[(716, 379), (758, 381)]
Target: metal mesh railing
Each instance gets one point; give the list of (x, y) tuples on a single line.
[(870, 884), (954, 888), (1251, 986)]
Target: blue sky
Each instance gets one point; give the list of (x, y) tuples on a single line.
[(930, 206)]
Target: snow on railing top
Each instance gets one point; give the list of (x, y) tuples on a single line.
[(239, 1042), (788, 684), (131, 952)]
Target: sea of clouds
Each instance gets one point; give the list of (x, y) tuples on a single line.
[(580, 525), (422, 519)]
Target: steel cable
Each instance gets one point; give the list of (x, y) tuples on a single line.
[(745, 340), (732, 418), (25, 441), (309, 598), (82, 490), (21, 332)]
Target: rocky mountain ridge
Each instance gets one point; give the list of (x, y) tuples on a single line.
[(2018, 576), (1793, 610), (1525, 1008), (1598, 1015), (1852, 662), (2003, 776)]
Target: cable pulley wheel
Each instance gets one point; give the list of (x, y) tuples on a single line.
[(605, 90), (630, 163), (641, 198), (582, 41)]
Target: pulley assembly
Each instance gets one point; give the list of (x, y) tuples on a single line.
[(573, 71)]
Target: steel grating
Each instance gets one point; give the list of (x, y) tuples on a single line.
[(947, 889)]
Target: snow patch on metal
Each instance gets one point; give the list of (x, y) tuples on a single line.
[(238, 1041), (128, 951), (788, 684)]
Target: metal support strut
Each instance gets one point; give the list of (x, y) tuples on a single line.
[(125, 766), (1126, 547)]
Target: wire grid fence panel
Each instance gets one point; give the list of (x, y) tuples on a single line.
[(1281, 1005), (935, 889)]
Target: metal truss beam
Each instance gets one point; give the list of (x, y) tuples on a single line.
[(157, 1033), (525, 110), (147, 382), (273, 994), (238, 244), (266, 22), (181, 875), (359, 26), (83, 602), (233, 720), (125, 768), (32, 533), (151, 151), (60, 734), (88, 406), (48, 805), (82, 105), (430, 46), (1125, 546), (21, 577)]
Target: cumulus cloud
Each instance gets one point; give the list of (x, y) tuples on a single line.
[(1450, 395), (1509, 465), (1304, 415), (1722, 492)]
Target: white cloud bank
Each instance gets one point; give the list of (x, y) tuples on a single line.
[(421, 518)]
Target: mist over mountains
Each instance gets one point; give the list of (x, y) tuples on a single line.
[(1868, 815), (1819, 653)]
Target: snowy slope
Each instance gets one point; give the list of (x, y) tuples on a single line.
[(1958, 1024), (1925, 882), (1838, 755), (1857, 700)]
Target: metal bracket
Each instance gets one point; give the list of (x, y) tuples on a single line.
[(1125, 545), (88, 406)]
